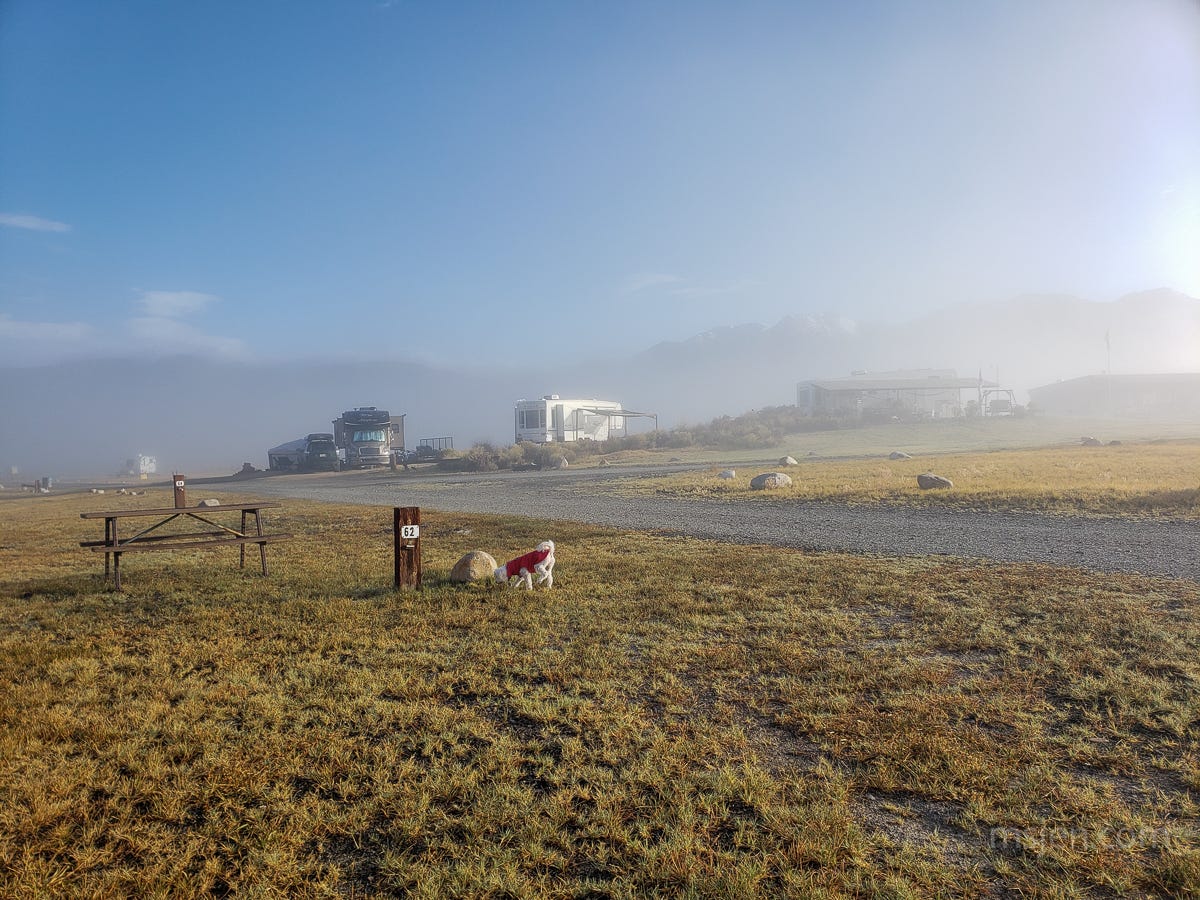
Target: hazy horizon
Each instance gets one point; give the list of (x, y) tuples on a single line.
[(212, 415), (506, 201)]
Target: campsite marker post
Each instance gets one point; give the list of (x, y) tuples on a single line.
[(406, 540)]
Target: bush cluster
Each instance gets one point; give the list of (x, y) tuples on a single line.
[(761, 428), (487, 457), (765, 427)]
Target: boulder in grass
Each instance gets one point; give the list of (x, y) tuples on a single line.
[(769, 480), (899, 454), (787, 461), (475, 566), (927, 481), (211, 501), (728, 474), (1091, 442)]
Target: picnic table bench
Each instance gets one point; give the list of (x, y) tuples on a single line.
[(218, 535)]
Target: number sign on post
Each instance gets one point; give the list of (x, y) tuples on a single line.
[(406, 537)]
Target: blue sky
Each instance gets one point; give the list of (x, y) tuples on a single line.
[(482, 183)]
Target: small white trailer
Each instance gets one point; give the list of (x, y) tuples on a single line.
[(141, 465)]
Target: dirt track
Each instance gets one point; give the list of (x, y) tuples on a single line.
[(1169, 548)]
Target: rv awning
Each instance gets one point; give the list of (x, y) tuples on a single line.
[(616, 412)]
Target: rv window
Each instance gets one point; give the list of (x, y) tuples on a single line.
[(531, 418), (368, 436)]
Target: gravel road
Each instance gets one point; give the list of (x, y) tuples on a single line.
[(1167, 548)]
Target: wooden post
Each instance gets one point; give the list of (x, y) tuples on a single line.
[(406, 539), (262, 548), (180, 491)]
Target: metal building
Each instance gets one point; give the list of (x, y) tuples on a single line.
[(927, 393)]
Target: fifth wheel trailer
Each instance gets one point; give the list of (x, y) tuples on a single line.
[(553, 419)]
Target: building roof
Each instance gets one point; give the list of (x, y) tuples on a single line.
[(1142, 379), (929, 383)]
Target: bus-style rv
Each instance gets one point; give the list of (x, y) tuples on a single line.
[(367, 437)]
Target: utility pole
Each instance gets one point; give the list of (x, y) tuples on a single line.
[(1108, 373)]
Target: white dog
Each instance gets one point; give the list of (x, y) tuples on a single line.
[(539, 561)]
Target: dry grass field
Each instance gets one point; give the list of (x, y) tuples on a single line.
[(937, 436), (674, 718), (1157, 479)]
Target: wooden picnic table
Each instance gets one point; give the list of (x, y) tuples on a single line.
[(218, 535)]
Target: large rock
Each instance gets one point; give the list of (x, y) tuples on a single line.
[(787, 461), (727, 474), (1091, 442), (770, 480), (475, 566), (898, 454), (928, 481)]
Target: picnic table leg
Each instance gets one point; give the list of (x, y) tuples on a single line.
[(108, 539), (116, 557), (242, 549), (262, 547)]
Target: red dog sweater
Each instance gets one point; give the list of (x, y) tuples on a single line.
[(513, 568)]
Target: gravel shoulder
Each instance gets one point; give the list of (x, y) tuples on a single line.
[(1149, 547)]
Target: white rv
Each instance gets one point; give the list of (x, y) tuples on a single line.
[(552, 419)]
